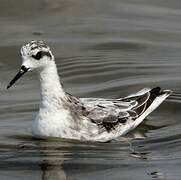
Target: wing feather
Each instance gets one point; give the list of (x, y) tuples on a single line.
[(108, 113), (102, 111)]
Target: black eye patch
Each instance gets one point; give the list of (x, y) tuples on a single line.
[(40, 54)]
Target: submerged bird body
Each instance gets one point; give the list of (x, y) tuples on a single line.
[(91, 119)]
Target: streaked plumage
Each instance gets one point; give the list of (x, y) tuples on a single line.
[(91, 119)]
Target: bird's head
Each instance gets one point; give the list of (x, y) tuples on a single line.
[(36, 55)]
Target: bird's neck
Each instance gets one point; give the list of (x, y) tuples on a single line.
[(51, 88)]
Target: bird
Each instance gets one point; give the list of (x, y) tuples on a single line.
[(66, 116)]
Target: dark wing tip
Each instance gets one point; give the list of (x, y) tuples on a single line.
[(157, 91)]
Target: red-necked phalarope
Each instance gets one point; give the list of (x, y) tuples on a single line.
[(91, 119)]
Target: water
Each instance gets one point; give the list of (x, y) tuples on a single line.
[(103, 49)]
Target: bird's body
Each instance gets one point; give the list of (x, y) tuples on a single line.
[(91, 119)]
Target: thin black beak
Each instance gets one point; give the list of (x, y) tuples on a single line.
[(22, 71)]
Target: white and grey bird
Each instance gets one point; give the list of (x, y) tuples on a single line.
[(90, 119)]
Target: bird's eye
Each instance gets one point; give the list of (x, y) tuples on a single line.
[(38, 56)]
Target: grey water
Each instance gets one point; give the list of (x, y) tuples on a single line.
[(105, 49)]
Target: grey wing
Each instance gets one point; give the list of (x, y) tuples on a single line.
[(110, 112)]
